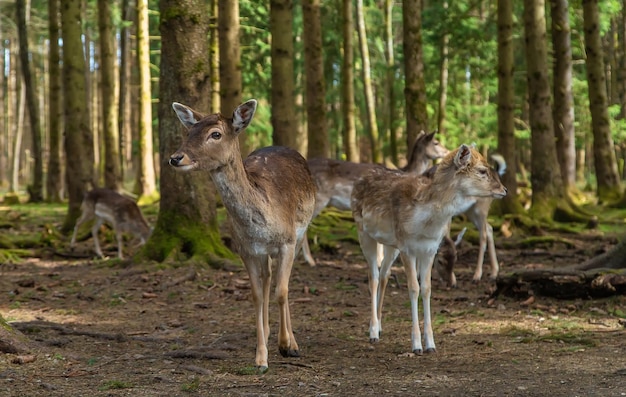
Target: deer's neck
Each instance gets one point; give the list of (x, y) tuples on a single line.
[(448, 196), (242, 201), (418, 163)]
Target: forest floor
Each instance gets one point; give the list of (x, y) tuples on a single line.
[(117, 328)]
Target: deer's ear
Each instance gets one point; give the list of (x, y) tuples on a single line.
[(463, 157), (243, 115), (186, 115)]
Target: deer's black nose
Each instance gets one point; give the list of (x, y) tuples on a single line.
[(175, 159)]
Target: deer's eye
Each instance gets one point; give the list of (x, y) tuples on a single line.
[(216, 135), (483, 171)]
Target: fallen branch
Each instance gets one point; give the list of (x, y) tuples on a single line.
[(563, 284)]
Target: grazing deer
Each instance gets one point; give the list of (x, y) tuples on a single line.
[(120, 212), (270, 199), (477, 214), (334, 179), (409, 215)]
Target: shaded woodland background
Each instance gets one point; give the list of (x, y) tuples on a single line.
[(87, 88)]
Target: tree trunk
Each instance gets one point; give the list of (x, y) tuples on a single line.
[(4, 135), (187, 226), (78, 140), (547, 184), (443, 78), (607, 177), (146, 183), (621, 73), (230, 64), (350, 146), (415, 85), (109, 95), (392, 108), (563, 95), (36, 189), (506, 106), (214, 48), (368, 91), (55, 106), (125, 117), (318, 145), (283, 91)]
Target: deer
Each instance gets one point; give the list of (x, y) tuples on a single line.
[(409, 215), (477, 214), (120, 212), (270, 198), (334, 179)]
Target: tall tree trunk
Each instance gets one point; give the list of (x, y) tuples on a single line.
[(14, 135), (607, 177), (621, 73), (36, 189), (109, 95), (414, 85), (214, 48), (18, 125), (187, 224), (146, 183), (370, 104), (318, 145), (506, 106), (4, 135), (230, 63), (283, 91), (547, 184), (55, 106), (392, 108), (78, 140), (350, 146), (125, 116), (443, 78), (563, 95)]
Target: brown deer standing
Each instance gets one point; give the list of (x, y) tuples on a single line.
[(409, 214), (334, 179), (270, 199), (120, 212)]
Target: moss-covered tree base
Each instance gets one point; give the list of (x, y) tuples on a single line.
[(191, 243)]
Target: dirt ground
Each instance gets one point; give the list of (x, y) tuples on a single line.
[(110, 328)]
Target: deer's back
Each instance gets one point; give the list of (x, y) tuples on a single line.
[(335, 179), (281, 176)]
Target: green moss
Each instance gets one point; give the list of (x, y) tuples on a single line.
[(176, 240)]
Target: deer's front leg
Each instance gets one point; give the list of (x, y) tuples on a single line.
[(370, 251), (94, 234), (482, 245), (390, 255), (425, 270), (495, 266), (287, 345), (414, 289), (254, 267)]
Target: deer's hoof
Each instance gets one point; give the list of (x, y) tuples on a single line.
[(374, 340), (289, 352), (430, 350), (418, 352), (261, 369)]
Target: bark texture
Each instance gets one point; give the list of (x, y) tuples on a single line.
[(187, 225)]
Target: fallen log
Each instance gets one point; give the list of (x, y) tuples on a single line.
[(570, 283)]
